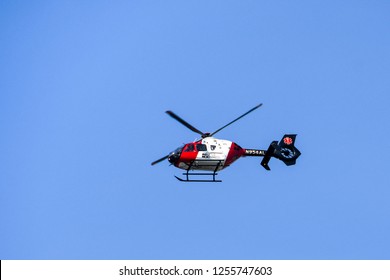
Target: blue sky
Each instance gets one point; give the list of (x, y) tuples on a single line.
[(83, 90)]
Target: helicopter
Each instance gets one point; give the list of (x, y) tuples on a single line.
[(208, 155)]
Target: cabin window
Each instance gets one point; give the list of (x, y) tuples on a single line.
[(201, 147)]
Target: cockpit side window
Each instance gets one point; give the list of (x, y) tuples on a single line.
[(201, 147), (189, 148)]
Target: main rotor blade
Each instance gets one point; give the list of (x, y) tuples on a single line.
[(159, 160), (183, 122), (237, 119)]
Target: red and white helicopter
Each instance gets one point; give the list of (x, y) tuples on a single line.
[(211, 154)]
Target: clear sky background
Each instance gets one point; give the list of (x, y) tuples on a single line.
[(84, 86)]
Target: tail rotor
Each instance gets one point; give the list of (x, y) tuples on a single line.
[(285, 150)]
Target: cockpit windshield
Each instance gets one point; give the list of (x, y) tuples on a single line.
[(178, 150)]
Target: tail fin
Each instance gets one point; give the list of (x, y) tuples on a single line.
[(285, 151)]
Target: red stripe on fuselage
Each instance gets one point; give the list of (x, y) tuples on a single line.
[(235, 153)]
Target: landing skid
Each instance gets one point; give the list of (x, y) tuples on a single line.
[(188, 174), (198, 181)]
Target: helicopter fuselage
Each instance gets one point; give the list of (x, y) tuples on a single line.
[(208, 153)]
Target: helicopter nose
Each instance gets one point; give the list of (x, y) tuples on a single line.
[(173, 158)]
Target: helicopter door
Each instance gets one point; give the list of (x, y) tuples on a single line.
[(202, 149), (189, 153)]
